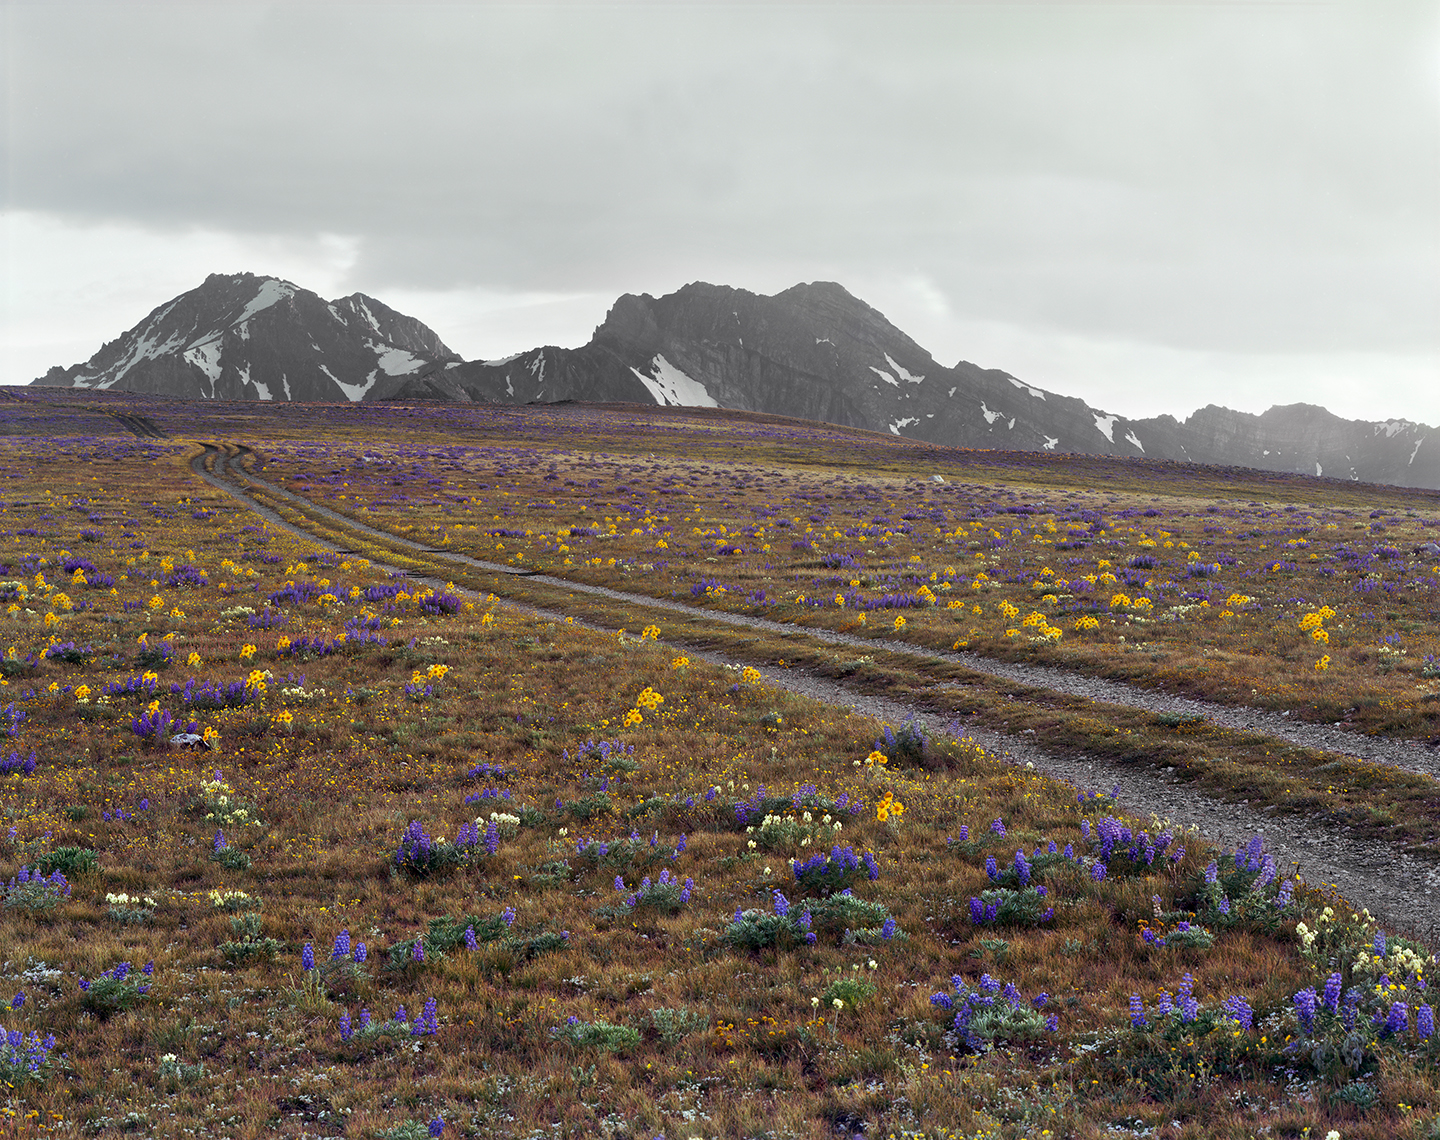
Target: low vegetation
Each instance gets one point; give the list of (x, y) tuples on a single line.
[(297, 846)]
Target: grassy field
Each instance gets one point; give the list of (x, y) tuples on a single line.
[(432, 866)]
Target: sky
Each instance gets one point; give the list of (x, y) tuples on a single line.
[(1151, 205)]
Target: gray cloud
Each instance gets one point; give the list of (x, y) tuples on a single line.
[(1221, 178)]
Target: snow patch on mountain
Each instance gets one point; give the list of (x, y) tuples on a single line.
[(1026, 387), (880, 372), (898, 424), (990, 417), (1130, 438), (353, 392), (1416, 450), (672, 388), (1105, 425), (1050, 444), (206, 357), (394, 361), (271, 292), (900, 371)]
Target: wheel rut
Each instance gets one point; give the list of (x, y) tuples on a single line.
[(1400, 890)]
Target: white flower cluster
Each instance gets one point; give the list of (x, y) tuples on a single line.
[(130, 900)]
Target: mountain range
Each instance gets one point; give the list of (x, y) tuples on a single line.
[(813, 351)]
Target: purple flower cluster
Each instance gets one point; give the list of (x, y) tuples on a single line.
[(154, 725), (16, 763), (120, 973), (835, 871)]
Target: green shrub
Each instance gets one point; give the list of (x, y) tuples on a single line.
[(71, 860), (597, 1035)]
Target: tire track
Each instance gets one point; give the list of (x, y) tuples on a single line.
[(1399, 889)]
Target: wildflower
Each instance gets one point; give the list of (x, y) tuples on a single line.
[(1305, 1008), (307, 957), (342, 946), (1331, 997), (247, 652), (1424, 1022), (346, 1032)]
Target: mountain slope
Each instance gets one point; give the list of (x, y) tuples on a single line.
[(816, 352), (242, 337), (813, 351)]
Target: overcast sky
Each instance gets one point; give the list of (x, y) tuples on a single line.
[(1152, 206)]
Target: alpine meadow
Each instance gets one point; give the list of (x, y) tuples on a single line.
[(406, 770)]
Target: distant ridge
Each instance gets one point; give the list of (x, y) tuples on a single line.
[(242, 337), (813, 351)]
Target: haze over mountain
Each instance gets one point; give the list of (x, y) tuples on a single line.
[(812, 351)]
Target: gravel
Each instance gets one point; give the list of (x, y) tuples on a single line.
[(1399, 889)]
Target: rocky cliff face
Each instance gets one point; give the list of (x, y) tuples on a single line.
[(241, 337), (813, 351)]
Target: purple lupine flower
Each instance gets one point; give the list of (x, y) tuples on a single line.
[(507, 916), (220, 843), (1022, 869), (401, 1015), (1305, 1008), (1397, 1019), (680, 844), (1223, 906), (941, 1001), (964, 833), (998, 827), (417, 952), (992, 871), (619, 883), (437, 1126), (470, 942), (1379, 946), (992, 911), (1239, 1009), (360, 952), (1097, 872), (1137, 1012), (1012, 995), (739, 915), (887, 931), (342, 946), (782, 904), (685, 893), (1164, 1004), (1285, 895), (1424, 1022), (1148, 936), (1331, 997), (872, 869), (492, 837), (988, 984), (18, 1000), (345, 1031), (1349, 1007), (307, 957), (977, 911), (1189, 1008), (1069, 851)]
